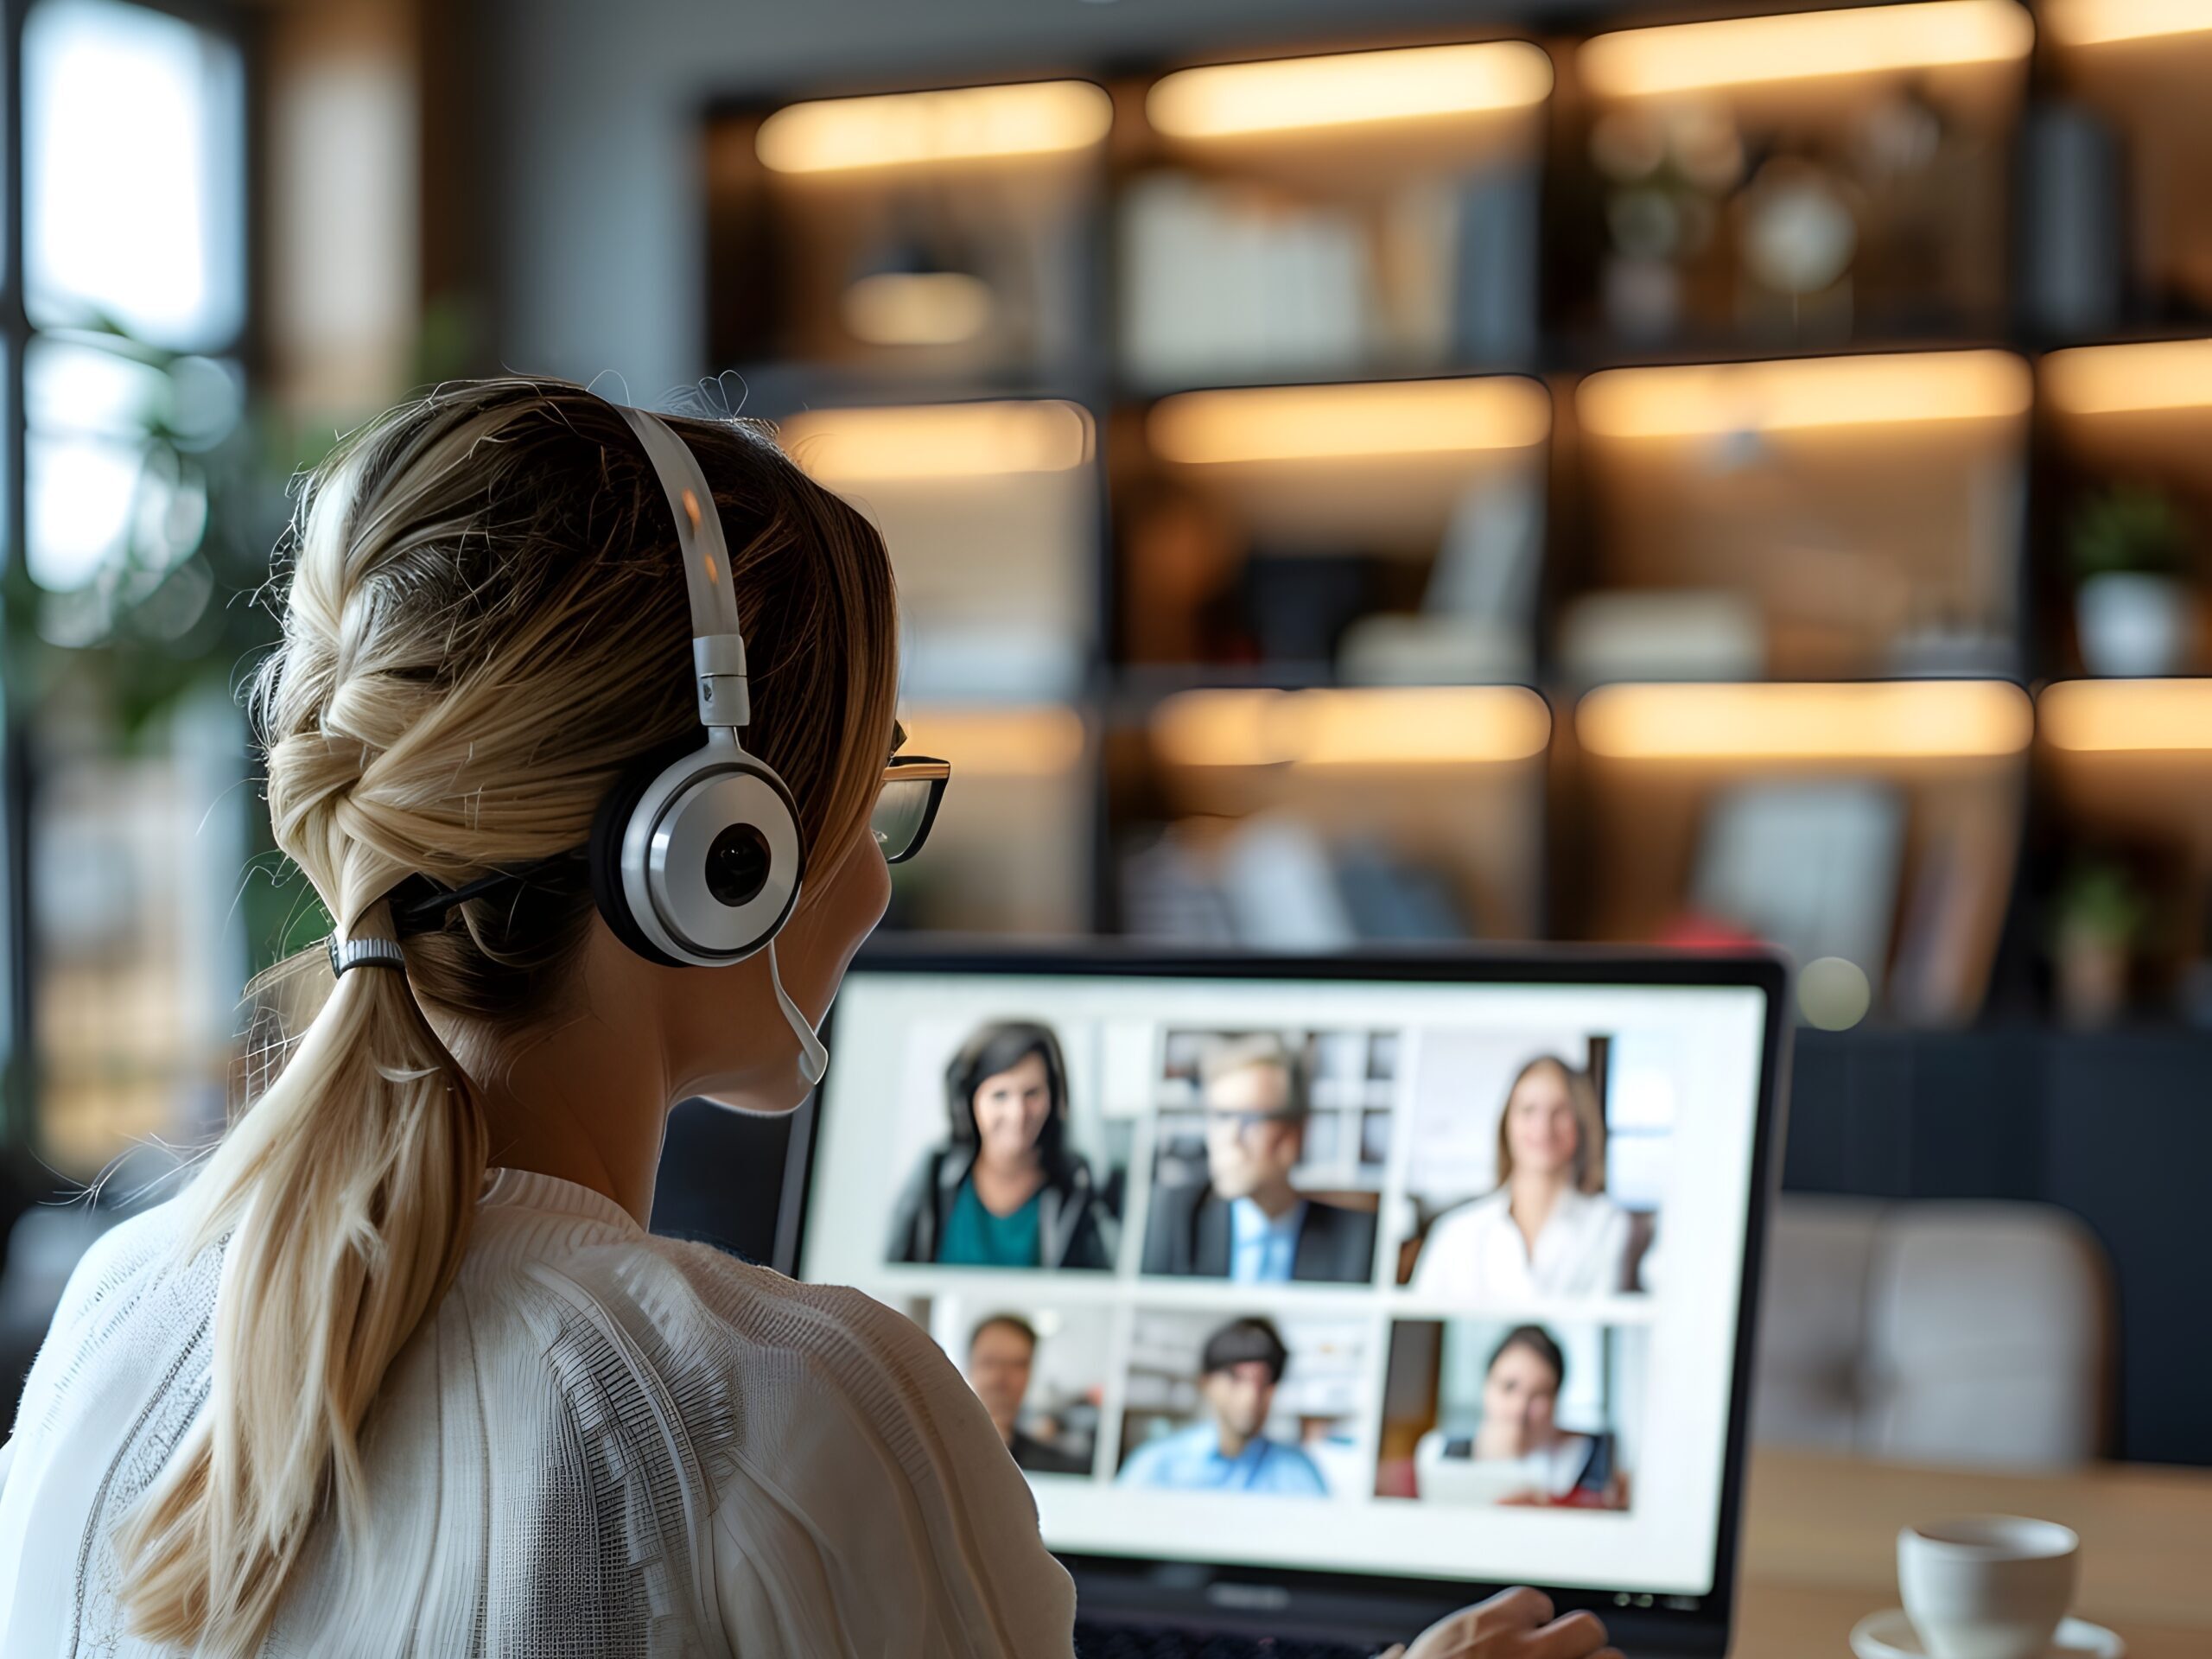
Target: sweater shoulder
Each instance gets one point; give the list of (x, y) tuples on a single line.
[(730, 1337), (836, 1335), (125, 1264)]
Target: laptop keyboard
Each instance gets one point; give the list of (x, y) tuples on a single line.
[(1122, 1642)]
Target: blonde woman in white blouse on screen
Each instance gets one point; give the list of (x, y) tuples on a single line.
[(1548, 1229), (402, 1372)]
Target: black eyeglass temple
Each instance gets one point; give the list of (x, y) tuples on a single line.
[(424, 907)]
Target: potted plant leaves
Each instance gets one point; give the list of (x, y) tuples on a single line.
[(2134, 611), (2098, 920)]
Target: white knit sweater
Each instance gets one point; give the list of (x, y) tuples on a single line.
[(602, 1443)]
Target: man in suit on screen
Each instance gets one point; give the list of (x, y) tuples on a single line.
[(1246, 1222)]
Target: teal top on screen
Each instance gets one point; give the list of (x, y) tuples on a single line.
[(974, 1237)]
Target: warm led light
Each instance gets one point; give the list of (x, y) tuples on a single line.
[(2098, 22), (1413, 417), (1038, 742), (911, 128), (2110, 716), (1901, 720), (1439, 725), (1892, 388), (1800, 46), (2114, 379), (933, 308), (840, 446), (1233, 99)]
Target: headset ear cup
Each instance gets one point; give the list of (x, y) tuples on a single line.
[(731, 800), (665, 785), (609, 828)]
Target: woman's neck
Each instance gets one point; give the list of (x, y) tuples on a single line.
[(1005, 1186), (1533, 1198), (576, 1103)]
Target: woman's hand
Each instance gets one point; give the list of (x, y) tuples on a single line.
[(1517, 1625)]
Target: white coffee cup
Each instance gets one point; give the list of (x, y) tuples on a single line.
[(1988, 1586)]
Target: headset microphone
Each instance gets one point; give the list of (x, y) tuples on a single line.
[(813, 1057)]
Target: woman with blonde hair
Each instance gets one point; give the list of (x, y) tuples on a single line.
[(1548, 1228), (570, 702)]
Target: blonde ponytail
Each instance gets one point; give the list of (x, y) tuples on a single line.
[(486, 622), (346, 1195)]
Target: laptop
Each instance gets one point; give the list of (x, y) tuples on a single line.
[(1285, 1370)]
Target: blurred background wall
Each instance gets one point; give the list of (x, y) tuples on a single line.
[(1357, 473)]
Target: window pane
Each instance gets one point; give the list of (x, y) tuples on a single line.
[(133, 203), (79, 507), (101, 487), (135, 847)]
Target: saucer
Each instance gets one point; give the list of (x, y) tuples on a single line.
[(1890, 1635)]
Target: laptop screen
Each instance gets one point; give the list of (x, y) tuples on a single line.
[(1408, 1278)]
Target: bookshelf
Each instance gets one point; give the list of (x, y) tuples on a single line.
[(1377, 470)]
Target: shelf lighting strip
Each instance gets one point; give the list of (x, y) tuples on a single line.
[(968, 124), (2104, 22), (1803, 46), (2128, 716), (1875, 389), (1345, 422), (1428, 726), (939, 441), (1891, 720), (1037, 742), (2125, 379), (1235, 100)]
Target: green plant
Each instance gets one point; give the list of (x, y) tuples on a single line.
[(2100, 902), (173, 600), (2129, 529), (176, 606)]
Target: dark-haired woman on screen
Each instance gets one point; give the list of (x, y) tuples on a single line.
[(1551, 1466), (1004, 1191)]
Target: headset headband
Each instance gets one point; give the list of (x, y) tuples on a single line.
[(717, 645), (699, 860)]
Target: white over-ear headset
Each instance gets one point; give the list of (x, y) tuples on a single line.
[(698, 859)]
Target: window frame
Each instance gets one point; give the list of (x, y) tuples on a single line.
[(19, 1081)]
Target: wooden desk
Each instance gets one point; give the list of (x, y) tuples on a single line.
[(1820, 1547)]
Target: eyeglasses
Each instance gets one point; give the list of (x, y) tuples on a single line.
[(905, 807), (1242, 1124), (913, 787)]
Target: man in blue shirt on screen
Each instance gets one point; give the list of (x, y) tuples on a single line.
[(1238, 1373), (1246, 1222)]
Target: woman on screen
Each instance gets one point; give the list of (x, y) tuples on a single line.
[(1548, 1229), (1520, 1455), (1004, 1191)]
